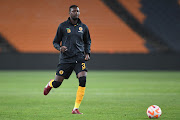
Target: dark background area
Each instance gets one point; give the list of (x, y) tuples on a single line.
[(159, 61)]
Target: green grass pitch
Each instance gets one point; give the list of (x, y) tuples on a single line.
[(110, 95)]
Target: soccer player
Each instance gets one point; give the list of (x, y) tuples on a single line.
[(75, 42)]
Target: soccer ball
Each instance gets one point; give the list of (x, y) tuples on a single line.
[(154, 111)]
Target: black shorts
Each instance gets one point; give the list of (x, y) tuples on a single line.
[(65, 69)]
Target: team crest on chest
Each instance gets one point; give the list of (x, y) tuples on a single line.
[(80, 29), (68, 30)]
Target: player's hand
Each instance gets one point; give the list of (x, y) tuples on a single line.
[(87, 57), (63, 48)]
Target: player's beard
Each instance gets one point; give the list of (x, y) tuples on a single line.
[(75, 18)]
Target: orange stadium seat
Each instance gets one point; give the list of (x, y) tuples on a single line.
[(30, 26), (133, 6)]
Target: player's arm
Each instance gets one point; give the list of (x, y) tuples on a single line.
[(87, 44), (58, 38)]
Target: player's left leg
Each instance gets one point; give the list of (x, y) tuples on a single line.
[(80, 92)]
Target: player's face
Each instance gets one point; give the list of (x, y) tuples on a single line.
[(74, 13)]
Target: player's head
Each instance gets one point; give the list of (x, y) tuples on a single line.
[(74, 12)]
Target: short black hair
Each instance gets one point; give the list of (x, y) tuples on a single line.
[(72, 7)]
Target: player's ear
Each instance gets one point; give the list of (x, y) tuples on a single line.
[(70, 10)]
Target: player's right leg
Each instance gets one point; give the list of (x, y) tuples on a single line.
[(63, 72), (54, 83)]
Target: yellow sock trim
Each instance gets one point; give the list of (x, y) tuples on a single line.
[(79, 96), (50, 83), (76, 105)]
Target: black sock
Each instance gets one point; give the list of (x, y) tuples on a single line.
[(82, 81), (56, 84)]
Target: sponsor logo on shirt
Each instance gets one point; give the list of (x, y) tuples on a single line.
[(80, 29)]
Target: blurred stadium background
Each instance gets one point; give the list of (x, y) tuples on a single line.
[(128, 37), (126, 34)]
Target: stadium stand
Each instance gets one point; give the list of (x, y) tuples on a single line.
[(160, 22), (5, 47), (163, 18), (30, 26), (133, 6), (153, 42)]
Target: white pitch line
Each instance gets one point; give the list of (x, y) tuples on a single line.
[(168, 94)]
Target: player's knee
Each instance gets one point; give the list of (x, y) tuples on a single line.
[(56, 84), (82, 81), (81, 74)]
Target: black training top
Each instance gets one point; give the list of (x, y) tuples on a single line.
[(77, 40)]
